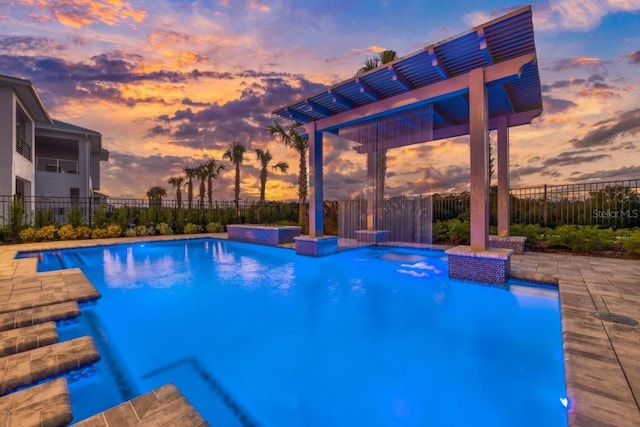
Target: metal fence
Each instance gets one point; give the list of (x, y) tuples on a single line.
[(40, 210), (614, 204)]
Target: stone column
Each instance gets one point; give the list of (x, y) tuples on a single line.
[(503, 177), (316, 202), (479, 148)]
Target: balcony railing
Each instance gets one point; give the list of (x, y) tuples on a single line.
[(22, 147), (46, 164)]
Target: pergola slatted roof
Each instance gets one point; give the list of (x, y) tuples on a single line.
[(509, 37)]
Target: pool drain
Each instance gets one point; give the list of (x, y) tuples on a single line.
[(616, 318)]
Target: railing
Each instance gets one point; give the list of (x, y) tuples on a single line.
[(45, 164), (22, 147), (613, 204)]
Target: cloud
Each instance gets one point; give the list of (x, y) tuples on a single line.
[(568, 158), (579, 15), (578, 62), (243, 119), (78, 13), (561, 84), (29, 45), (634, 57), (623, 173), (604, 132), (556, 105)]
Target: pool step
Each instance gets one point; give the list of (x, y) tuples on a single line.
[(164, 406), (32, 316), (29, 367), (45, 289), (27, 338), (46, 404)]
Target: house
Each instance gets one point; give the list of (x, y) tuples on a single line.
[(44, 162)]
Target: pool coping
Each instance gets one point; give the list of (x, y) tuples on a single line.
[(602, 359)]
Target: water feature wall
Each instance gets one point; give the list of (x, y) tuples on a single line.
[(409, 219)]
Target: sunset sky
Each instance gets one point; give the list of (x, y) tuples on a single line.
[(170, 84)]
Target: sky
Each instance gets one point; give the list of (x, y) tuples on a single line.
[(171, 84)]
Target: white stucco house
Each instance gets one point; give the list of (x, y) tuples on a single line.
[(42, 159)]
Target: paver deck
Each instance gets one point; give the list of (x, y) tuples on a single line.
[(42, 405), (32, 316), (23, 339), (165, 406), (602, 359), (29, 367)]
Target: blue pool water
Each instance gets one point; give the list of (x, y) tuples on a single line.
[(368, 337)]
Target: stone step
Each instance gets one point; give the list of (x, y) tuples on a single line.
[(46, 404), (164, 406), (45, 289), (23, 339), (29, 367), (32, 316)]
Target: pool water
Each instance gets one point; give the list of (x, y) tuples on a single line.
[(253, 335)]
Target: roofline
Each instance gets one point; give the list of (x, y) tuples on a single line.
[(14, 81)]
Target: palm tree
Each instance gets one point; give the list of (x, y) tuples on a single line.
[(201, 173), (300, 144), (176, 182), (155, 195), (190, 173), (236, 155), (264, 157), (372, 62), (212, 172)]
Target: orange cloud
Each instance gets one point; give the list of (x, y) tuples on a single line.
[(78, 13), (163, 39)]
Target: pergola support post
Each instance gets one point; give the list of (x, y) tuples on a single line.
[(503, 177), (477, 262), (316, 244), (479, 148), (503, 239)]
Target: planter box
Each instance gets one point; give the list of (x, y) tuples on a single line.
[(262, 234)]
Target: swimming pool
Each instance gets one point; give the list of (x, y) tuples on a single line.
[(260, 336)]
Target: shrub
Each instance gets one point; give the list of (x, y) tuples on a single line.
[(48, 232), (28, 235), (191, 228), (631, 243), (164, 229), (44, 217), (67, 232), (16, 219), (99, 233), (100, 217), (74, 217), (215, 227), (114, 231), (83, 232), (534, 233)]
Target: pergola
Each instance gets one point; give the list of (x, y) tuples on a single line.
[(484, 79)]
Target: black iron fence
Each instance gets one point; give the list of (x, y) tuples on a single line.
[(100, 212), (613, 204)]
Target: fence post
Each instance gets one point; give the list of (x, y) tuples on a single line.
[(544, 206)]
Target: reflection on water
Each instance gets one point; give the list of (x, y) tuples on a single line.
[(129, 272)]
